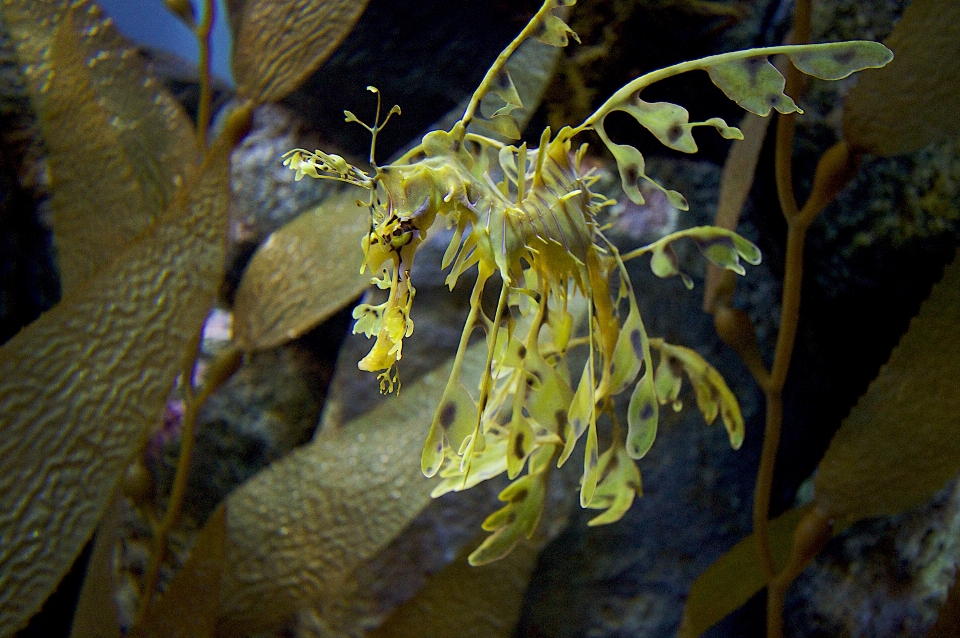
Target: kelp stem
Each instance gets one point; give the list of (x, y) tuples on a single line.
[(836, 168), (202, 33), (221, 369), (797, 225), (151, 576)]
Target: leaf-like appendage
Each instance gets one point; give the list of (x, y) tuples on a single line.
[(555, 32), (505, 125), (505, 89), (671, 124), (591, 465), (754, 84), (722, 247), (899, 445), (665, 263), (118, 145), (188, 607), (302, 274), (713, 394), (520, 445), (837, 60), (579, 414), (735, 184), (298, 527), (81, 386), (914, 100), (454, 421), (278, 43), (516, 520), (631, 165), (554, 390), (735, 577), (530, 69), (642, 417), (746, 77), (619, 485), (484, 465), (630, 351), (668, 379)]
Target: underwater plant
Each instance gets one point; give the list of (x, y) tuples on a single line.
[(527, 219)]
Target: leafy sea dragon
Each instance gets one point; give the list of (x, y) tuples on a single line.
[(528, 216)]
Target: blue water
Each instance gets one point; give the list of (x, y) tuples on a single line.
[(150, 23)]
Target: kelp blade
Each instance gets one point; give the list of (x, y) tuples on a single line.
[(302, 525), (118, 144), (305, 272), (278, 43), (735, 577), (466, 601), (914, 100), (82, 385), (899, 444)]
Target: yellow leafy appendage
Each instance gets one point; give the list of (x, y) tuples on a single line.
[(527, 219)]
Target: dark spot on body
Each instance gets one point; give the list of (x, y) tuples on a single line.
[(632, 173), (676, 368), (503, 80), (675, 132), (636, 341), (522, 351), (455, 146), (753, 66), (577, 426), (844, 56), (447, 414), (520, 495), (518, 445), (560, 417), (646, 412)]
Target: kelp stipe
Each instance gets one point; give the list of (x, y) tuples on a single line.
[(536, 228)]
